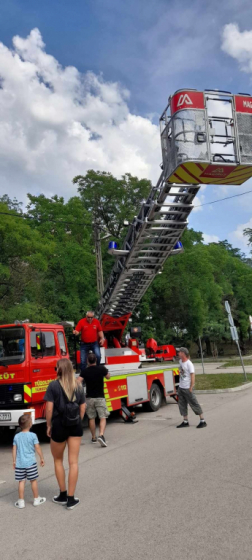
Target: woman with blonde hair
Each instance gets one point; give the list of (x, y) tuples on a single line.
[(65, 409)]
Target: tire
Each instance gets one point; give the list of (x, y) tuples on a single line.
[(156, 398)]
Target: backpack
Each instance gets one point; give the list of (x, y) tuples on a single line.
[(71, 414)]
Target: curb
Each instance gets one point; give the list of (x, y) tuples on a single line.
[(231, 390)]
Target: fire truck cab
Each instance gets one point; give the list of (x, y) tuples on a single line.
[(28, 356)]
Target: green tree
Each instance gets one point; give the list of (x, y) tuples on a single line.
[(69, 287), (109, 200), (187, 300), (23, 263)]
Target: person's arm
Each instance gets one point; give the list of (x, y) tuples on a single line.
[(39, 452), (82, 410), (101, 337), (14, 455), (192, 381), (77, 329), (192, 372), (107, 375), (49, 411)]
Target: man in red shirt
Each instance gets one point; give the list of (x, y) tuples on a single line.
[(91, 338)]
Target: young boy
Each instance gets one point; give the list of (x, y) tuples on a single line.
[(24, 461)]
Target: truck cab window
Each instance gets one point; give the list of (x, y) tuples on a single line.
[(49, 350), (12, 345), (62, 344)]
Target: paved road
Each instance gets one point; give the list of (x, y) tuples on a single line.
[(154, 493)]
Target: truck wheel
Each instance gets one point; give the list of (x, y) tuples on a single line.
[(155, 398)]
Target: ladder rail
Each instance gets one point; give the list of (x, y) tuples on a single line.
[(149, 241)]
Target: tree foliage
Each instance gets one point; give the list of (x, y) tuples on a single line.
[(111, 201), (47, 265), (187, 300)]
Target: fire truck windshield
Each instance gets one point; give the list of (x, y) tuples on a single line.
[(12, 345)]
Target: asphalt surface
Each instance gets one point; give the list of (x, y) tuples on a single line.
[(154, 492)]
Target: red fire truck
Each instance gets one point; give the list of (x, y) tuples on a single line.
[(28, 356), (206, 137)]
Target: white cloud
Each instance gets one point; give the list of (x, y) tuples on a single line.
[(238, 44), (238, 235), (199, 200), (57, 123), (210, 238)]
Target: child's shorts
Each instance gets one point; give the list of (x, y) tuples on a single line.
[(31, 473)]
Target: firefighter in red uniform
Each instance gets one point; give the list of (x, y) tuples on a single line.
[(91, 337)]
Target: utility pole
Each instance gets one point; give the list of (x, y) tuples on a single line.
[(234, 335), (201, 353), (98, 256)]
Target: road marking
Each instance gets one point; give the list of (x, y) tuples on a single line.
[(2, 481)]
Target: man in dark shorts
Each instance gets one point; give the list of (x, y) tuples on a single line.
[(93, 376)]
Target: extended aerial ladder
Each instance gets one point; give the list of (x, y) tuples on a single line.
[(206, 137)]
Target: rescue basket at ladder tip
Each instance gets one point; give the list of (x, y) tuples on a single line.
[(206, 137)]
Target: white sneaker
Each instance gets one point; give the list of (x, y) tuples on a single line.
[(38, 501), (20, 504)]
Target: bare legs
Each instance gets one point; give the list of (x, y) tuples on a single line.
[(102, 427), (21, 489), (92, 427), (34, 487), (57, 450), (73, 454)]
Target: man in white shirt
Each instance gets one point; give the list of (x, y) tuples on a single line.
[(185, 391)]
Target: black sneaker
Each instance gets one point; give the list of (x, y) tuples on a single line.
[(102, 441), (94, 440), (61, 500), (183, 425), (202, 425), (72, 502)]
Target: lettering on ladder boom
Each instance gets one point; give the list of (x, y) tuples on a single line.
[(247, 104)]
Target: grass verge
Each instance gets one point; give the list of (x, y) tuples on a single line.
[(220, 381), (237, 362)]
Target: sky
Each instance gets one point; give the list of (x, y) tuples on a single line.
[(83, 83)]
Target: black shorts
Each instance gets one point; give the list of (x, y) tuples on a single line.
[(61, 433)]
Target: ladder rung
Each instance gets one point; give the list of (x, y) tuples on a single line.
[(176, 204), (158, 251), (172, 222), (146, 258), (172, 193), (182, 211)]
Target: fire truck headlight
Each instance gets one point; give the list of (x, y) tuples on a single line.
[(17, 397)]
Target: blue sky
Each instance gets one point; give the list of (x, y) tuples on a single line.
[(149, 49)]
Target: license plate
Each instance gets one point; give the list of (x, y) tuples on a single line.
[(5, 416)]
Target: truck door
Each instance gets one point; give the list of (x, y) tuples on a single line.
[(137, 389), (43, 363)]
